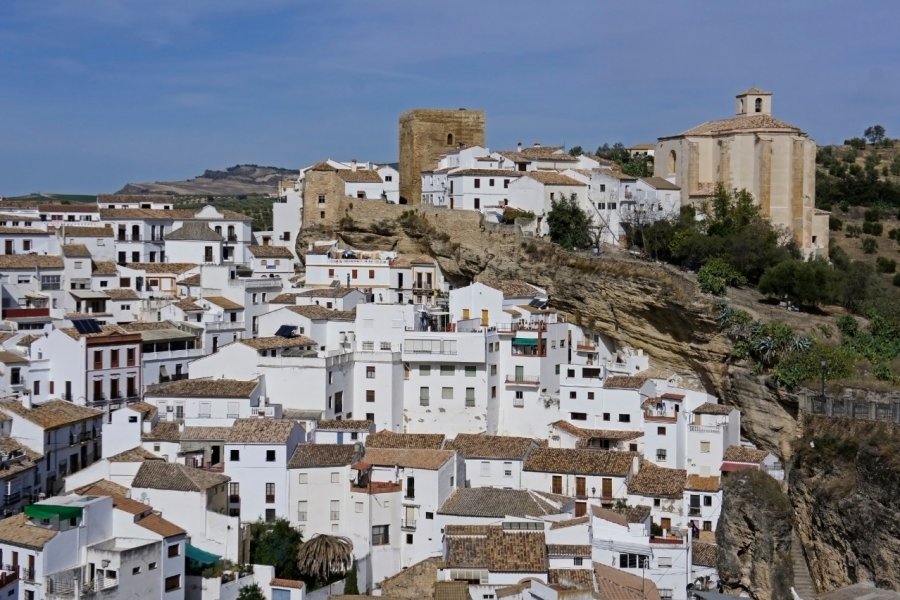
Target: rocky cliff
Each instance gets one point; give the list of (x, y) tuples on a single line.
[(754, 537), (844, 485)]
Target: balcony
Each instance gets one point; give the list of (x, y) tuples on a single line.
[(524, 380), (7, 576), (234, 498), (224, 325), (660, 416), (694, 511), (26, 574), (10, 499), (706, 428), (408, 524), (586, 347)]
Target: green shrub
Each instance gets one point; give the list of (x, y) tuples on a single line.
[(885, 265), (717, 274), (844, 206), (835, 224), (853, 231), (856, 143), (894, 234), (872, 215), (872, 228), (869, 245)]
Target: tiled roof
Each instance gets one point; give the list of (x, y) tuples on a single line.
[(162, 268), (164, 431), (579, 461), (75, 251), (276, 341), (515, 288), (659, 183), (754, 91), (155, 523), (204, 434), (552, 178), (344, 425), (616, 584), (94, 232), (270, 252), (491, 446), (102, 487), (28, 460), (181, 214), (615, 173), (52, 414), (75, 208), (485, 173), (359, 176), (30, 261), (104, 267), (320, 313), (136, 454), (407, 261), (122, 294), (622, 516), (408, 458), (570, 522), (496, 550), (203, 388), (308, 456), (223, 302), (699, 483), (287, 583), (194, 231), (754, 122), (625, 382), (744, 454), (18, 531), (709, 408), (328, 292), (146, 409), (28, 340), (704, 554), (568, 550), (657, 482), (497, 502), (451, 590), (286, 298), (11, 358), (189, 304), (22, 231), (162, 475), (6, 335), (126, 504), (260, 431), (600, 434), (390, 439), (579, 579), (190, 280)]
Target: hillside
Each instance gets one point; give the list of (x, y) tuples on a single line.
[(239, 180)]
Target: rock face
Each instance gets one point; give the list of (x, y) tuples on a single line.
[(754, 537), (844, 484)]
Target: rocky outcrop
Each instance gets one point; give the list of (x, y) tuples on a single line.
[(844, 484), (754, 537)]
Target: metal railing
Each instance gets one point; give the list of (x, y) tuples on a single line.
[(408, 524)]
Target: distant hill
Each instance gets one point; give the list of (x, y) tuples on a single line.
[(234, 181)]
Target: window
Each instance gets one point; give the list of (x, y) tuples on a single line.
[(335, 477), (485, 468), (448, 370), (135, 570), (321, 198), (234, 455), (578, 416), (409, 538), (370, 372), (477, 203), (335, 509), (358, 507), (302, 478), (707, 500), (757, 105), (429, 516), (370, 395), (354, 273), (578, 561), (174, 550), (657, 502), (368, 346), (151, 566), (707, 525), (471, 370), (423, 396), (661, 455), (477, 183), (98, 359), (606, 416), (50, 282), (470, 396), (270, 456), (270, 493), (380, 535), (173, 583), (660, 431), (519, 399), (129, 357), (385, 346), (704, 447), (633, 561), (424, 369), (447, 393), (301, 510), (624, 418), (664, 562), (493, 370), (493, 391), (573, 395)]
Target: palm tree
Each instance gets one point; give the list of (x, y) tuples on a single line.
[(324, 556)]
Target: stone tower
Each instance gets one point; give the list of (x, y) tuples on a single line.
[(425, 135)]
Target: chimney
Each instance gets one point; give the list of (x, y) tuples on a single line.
[(353, 165), (26, 400), (519, 147), (536, 145)]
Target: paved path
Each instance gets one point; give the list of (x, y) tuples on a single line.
[(803, 583)]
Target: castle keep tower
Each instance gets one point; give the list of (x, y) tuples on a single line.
[(425, 135)]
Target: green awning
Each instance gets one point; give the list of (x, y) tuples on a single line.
[(525, 341), (53, 511), (201, 556)]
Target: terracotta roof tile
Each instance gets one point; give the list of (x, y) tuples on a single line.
[(624, 382), (568, 550), (162, 475), (136, 454), (286, 298), (160, 526), (754, 122), (656, 482), (326, 292), (408, 458), (491, 446), (190, 280), (189, 304), (390, 439), (52, 414), (287, 583), (513, 288), (18, 531), (320, 313), (699, 483), (552, 178), (164, 431), (359, 176), (194, 231), (28, 460), (270, 252), (30, 261), (615, 584), (499, 503), (344, 425), (745, 454), (710, 408), (12, 358), (22, 231), (570, 522), (93, 232), (580, 461), (162, 268), (204, 434), (75, 251), (104, 267), (122, 294), (704, 554), (223, 302), (600, 434), (276, 342), (308, 456), (497, 550), (203, 388), (261, 431), (660, 183), (579, 579), (102, 487), (622, 516)]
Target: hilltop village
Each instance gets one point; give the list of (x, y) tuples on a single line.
[(170, 378)]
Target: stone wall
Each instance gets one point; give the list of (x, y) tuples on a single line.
[(324, 185), (425, 135)]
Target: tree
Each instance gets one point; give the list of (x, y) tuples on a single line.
[(324, 556), (576, 151), (806, 283), (251, 592), (351, 585), (869, 245), (570, 226), (275, 543), (875, 134)]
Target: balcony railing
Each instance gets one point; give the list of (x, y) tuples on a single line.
[(408, 524), (10, 499), (234, 498), (523, 380), (27, 574), (586, 347), (694, 511), (705, 428), (7, 577)]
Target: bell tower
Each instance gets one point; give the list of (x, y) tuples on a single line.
[(754, 102)]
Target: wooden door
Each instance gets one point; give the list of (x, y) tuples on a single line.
[(557, 484), (666, 524), (580, 487), (606, 487)]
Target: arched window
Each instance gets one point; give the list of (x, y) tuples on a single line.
[(449, 139), (671, 163), (758, 104)]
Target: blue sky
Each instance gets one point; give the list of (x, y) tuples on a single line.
[(98, 93)]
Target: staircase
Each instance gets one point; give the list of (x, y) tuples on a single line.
[(803, 583)]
